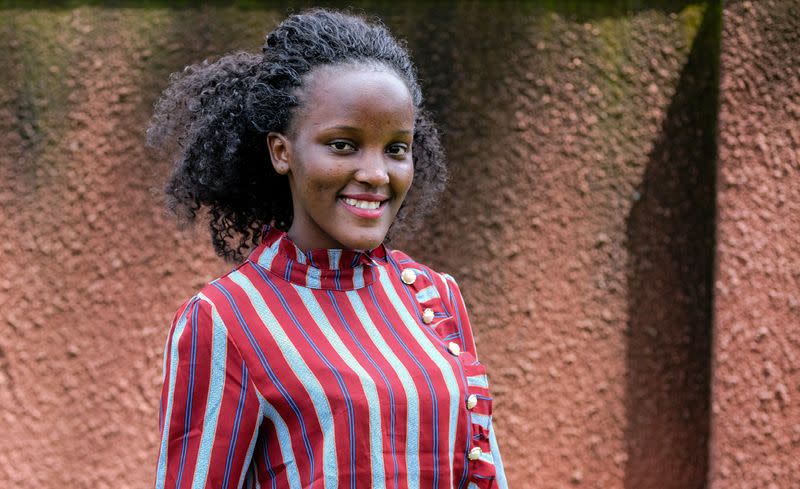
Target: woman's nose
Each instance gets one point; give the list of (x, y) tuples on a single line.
[(372, 169)]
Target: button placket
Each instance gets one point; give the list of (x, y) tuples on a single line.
[(478, 403)]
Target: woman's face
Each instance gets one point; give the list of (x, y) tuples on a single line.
[(347, 157)]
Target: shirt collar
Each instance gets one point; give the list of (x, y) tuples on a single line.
[(338, 269)]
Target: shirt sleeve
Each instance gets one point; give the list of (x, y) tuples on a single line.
[(459, 310), (209, 412)]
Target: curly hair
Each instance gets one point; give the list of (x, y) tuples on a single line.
[(213, 117)]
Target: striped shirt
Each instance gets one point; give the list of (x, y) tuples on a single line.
[(325, 369)]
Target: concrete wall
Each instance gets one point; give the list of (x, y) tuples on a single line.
[(756, 383), (580, 222)]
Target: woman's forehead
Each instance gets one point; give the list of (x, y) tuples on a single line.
[(356, 92)]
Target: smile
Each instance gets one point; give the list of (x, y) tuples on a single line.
[(362, 204), (367, 209)]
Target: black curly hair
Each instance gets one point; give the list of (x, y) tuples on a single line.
[(213, 119)]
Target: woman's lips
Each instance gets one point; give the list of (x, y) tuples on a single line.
[(368, 208)]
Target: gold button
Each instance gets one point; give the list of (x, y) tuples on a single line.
[(472, 401), (408, 276), (454, 348), (427, 315), (475, 453)]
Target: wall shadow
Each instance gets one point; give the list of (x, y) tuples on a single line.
[(670, 242)]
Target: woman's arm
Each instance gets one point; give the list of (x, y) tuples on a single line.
[(459, 310), (209, 413)]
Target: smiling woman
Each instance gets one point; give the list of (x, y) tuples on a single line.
[(348, 157), (324, 359)]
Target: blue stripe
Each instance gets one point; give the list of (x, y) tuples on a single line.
[(333, 258), (161, 470), (459, 334), (358, 277), (216, 385), (376, 442), (301, 369), (427, 294), (478, 381), (265, 365), (265, 260), (250, 449), (436, 356), (427, 341), (285, 444), (320, 393), (190, 394), (265, 454), (502, 483), (236, 422), (313, 278), (459, 322), (481, 419), (406, 381)]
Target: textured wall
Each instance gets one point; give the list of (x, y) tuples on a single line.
[(756, 383), (579, 223)]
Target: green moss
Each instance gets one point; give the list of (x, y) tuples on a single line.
[(690, 18)]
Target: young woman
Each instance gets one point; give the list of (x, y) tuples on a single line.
[(324, 359)]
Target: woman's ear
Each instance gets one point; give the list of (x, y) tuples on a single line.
[(280, 152)]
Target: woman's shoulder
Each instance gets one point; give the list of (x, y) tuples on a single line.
[(213, 294), (423, 276)]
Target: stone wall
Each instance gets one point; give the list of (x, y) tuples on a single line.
[(581, 221)]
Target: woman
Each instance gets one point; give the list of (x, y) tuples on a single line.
[(324, 359)]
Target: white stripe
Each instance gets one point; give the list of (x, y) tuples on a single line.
[(478, 381), (358, 277), (284, 442), (407, 382), (216, 386), (434, 352), (313, 278), (173, 373), (427, 294), (250, 449), (265, 260), (481, 419), (502, 483), (333, 258), (367, 383), (304, 374)]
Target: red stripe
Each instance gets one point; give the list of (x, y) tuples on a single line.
[(402, 344)]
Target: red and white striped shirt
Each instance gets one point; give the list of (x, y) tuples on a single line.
[(325, 369)]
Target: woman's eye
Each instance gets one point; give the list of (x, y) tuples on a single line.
[(397, 149), (342, 146)]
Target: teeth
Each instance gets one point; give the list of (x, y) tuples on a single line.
[(362, 204)]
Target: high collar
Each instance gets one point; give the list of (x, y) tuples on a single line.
[(336, 269)]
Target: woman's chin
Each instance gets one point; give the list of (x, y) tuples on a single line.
[(365, 239)]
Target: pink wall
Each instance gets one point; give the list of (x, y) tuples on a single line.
[(756, 383), (583, 221)]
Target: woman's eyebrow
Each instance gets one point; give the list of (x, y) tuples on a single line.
[(400, 132)]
